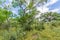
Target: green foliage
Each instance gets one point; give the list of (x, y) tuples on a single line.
[(4, 15), (25, 26), (50, 16), (2, 1)]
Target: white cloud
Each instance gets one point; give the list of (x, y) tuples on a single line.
[(51, 2), (45, 8), (10, 0), (55, 10), (42, 10)]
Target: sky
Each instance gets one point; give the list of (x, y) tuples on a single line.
[(51, 5)]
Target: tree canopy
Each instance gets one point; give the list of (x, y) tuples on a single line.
[(25, 26)]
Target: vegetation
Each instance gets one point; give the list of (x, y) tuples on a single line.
[(25, 26)]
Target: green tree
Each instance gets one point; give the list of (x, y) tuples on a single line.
[(27, 11), (4, 16), (50, 16), (2, 1)]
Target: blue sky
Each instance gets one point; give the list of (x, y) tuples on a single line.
[(51, 5), (55, 5)]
